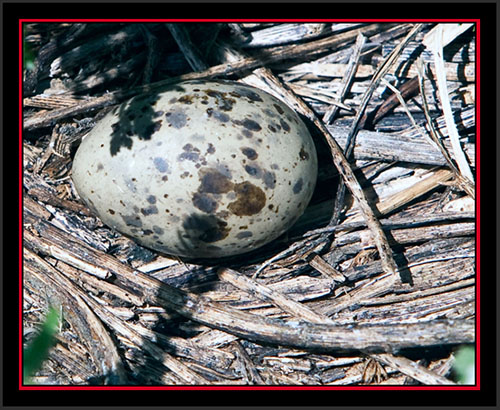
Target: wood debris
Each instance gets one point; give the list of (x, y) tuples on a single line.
[(385, 269)]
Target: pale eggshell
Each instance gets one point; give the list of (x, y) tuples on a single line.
[(201, 169)]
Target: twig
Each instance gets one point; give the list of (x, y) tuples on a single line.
[(348, 77), (266, 293), (191, 53), (412, 369)]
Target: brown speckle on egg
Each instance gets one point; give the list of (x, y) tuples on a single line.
[(250, 199)]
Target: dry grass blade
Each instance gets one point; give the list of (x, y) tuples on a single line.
[(465, 183), (191, 53), (435, 41)]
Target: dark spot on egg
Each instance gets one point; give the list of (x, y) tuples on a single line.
[(160, 164), (130, 185), (151, 199), (251, 125), (269, 113), (147, 232), (150, 210), (190, 153), (297, 187), (223, 102), (111, 211), (253, 170), (278, 108), (176, 118), (250, 94), (220, 116), (244, 234), (284, 125), (269, 179), (210, 149), (250, 153), (205, 228), (100, 167), (271, 128), (214, 182), (205, 203), (303, 154), (132, 220), (158, 230), (186, 99)]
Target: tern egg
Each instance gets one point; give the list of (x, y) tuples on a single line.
[(200, 169)]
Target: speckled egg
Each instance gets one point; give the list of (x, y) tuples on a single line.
[(201, 169)]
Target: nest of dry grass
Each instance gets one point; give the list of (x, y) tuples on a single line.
[(374, 284)]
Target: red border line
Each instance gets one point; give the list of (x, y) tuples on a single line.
[(21, 294), (256, 20), (478, 196), (234, 387)]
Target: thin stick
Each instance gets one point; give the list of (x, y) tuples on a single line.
[(348, 77)]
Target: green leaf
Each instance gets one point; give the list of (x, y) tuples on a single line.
[(464, 366), (38, 350)]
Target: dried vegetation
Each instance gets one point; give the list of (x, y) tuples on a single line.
[(374, 284)]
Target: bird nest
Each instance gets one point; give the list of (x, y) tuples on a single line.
[(375, 284)]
